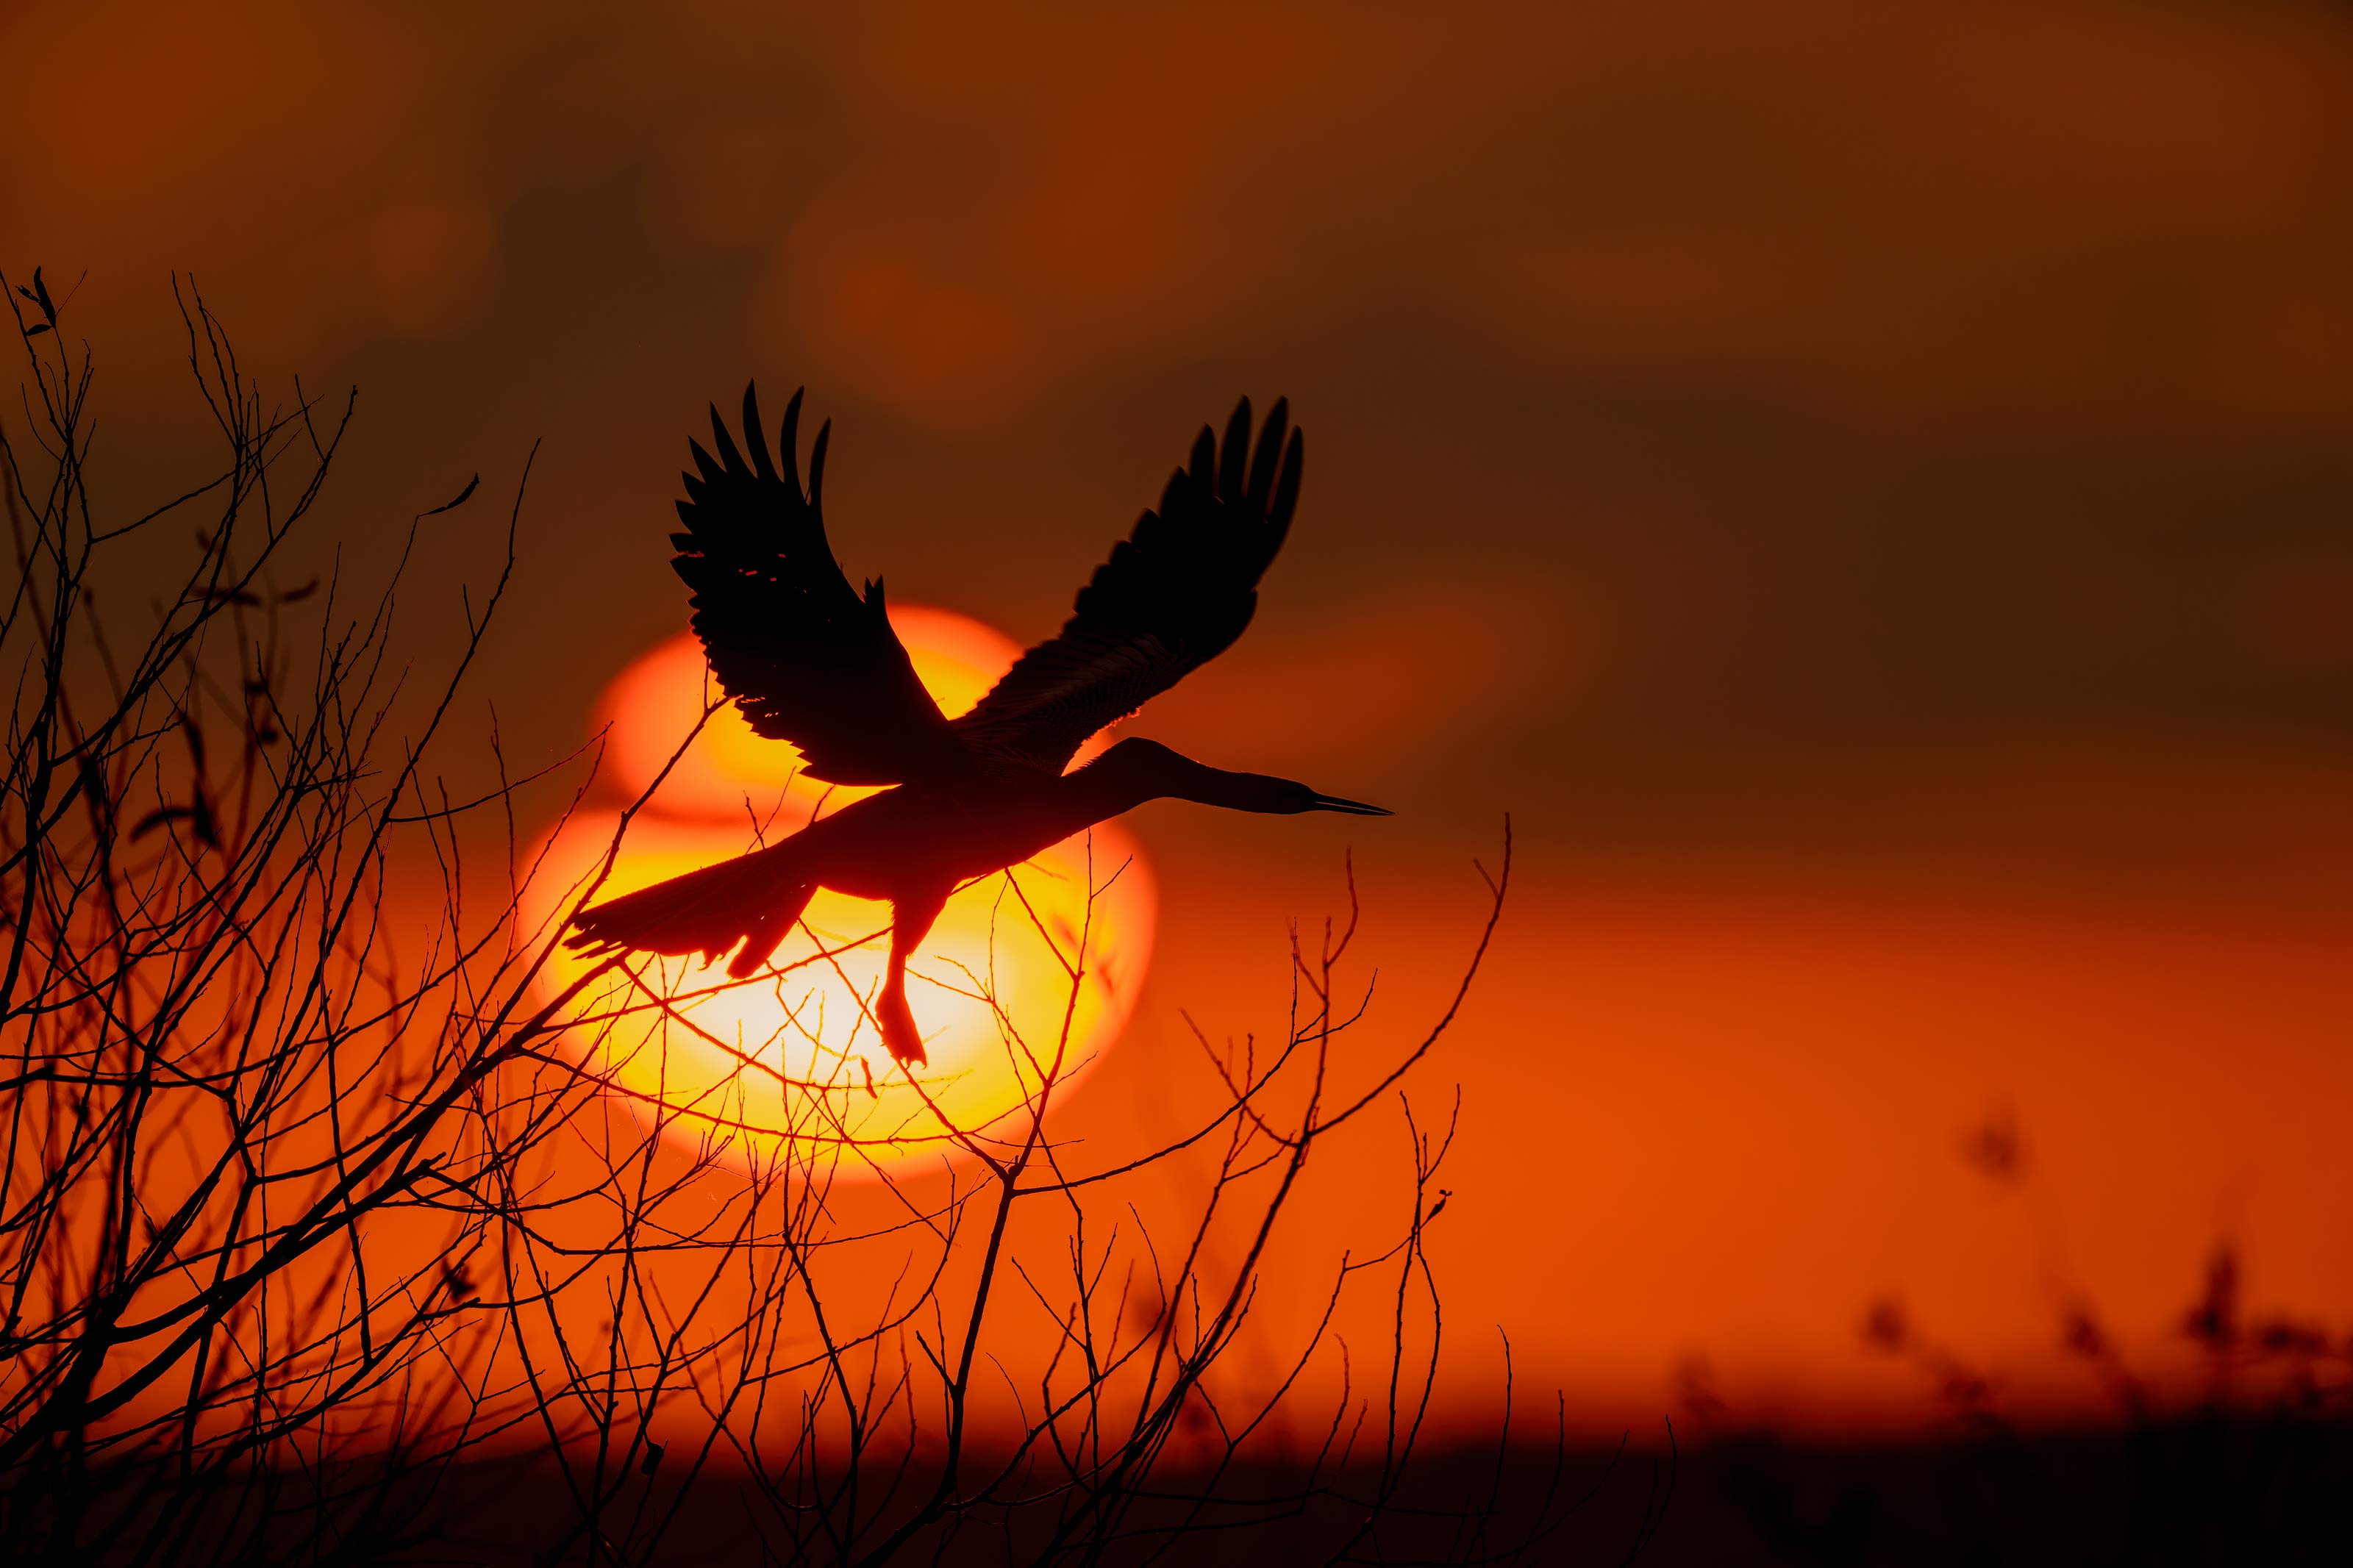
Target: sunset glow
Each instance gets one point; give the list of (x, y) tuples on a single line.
[(790, 1061), (1823, 532)]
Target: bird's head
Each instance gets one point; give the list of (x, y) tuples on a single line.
[(1145, 770)]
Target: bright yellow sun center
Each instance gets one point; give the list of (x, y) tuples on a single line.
[(1027, 976)]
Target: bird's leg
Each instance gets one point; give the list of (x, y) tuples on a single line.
[(911, 920)]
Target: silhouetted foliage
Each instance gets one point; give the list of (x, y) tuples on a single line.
[(321, 1208), (2251, 1460)]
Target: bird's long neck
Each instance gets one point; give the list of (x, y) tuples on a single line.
[(1136, 770), (1097, 794)]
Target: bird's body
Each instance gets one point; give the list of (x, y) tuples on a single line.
[(808, 659), (942, 836)]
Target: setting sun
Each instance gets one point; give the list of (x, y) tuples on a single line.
[(1026, 978)]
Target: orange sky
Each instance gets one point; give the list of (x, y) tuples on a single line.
[(1867, 491)]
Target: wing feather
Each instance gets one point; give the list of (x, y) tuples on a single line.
[(1174, 594), (807, 658)]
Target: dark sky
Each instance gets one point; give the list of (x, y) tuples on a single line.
[(1706, 407)]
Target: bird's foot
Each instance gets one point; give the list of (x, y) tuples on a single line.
[(898, 1031)]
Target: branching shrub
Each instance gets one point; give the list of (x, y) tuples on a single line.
[(318, 1200)]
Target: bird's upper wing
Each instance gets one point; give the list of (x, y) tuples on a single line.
[(806, 658), (1174, 596)]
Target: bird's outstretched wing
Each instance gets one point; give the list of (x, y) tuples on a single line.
[(806, 658), (1174, 596)]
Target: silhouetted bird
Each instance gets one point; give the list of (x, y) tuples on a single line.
[(809, 660)]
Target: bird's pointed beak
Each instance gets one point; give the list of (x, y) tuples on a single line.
[(1352, 807)]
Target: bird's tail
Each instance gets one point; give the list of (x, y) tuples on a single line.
[(753, 899)]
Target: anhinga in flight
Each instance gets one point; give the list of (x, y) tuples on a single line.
[(809, 660)]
